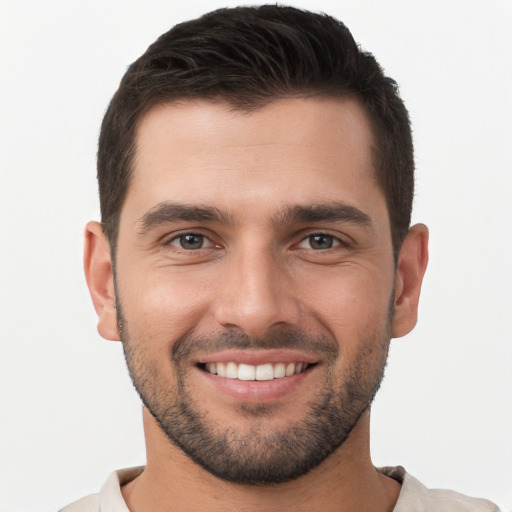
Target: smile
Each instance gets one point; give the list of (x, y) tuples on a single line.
[(261, 372)]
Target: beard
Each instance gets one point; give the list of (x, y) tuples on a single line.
[(264, 455)]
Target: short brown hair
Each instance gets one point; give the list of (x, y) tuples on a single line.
[(248, 57)]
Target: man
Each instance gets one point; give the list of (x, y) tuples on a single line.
[(255, 257)]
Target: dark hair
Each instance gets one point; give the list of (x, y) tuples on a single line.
[(248, 57)]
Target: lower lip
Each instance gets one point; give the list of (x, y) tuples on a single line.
[(255, 390)]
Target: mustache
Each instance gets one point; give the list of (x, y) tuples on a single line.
[(325, 347)]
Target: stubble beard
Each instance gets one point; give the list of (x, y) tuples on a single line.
[(262, 456)]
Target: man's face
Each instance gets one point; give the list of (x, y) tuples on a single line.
[(255, 246)]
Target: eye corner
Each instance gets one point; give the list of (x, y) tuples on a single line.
[(187, 241), (320, 241)]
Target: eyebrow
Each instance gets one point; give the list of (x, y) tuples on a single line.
[(330, 212), (167, 212)]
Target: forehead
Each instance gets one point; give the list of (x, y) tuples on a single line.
[(292, 151)]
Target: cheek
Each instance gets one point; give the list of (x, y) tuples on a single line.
[(162, 306), (353, 305)]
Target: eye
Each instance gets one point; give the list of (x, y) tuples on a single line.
[(319, 241), (190, 241)]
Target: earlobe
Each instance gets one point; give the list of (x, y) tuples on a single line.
[(100, 280), (411, 266)]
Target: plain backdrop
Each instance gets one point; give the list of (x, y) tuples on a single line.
[(68, 412)]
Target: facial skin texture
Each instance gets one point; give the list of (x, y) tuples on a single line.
[(258, 453), (256, 238)]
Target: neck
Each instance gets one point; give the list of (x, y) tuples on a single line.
[(347, 480)]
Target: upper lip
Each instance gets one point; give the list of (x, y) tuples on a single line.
[(257, 357)]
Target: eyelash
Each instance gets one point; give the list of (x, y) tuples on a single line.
[(335, 241), (177, 238)]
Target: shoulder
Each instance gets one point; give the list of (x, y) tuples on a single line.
[(110, 496), (454, 501), (90, 503), (415, 497)]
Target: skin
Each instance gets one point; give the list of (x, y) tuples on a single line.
[(257, 273)]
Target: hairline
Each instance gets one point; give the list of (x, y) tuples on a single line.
[(260, 102)]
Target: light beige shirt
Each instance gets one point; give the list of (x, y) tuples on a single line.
[(414, 496)]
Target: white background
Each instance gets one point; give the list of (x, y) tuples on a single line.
[(68, 413)]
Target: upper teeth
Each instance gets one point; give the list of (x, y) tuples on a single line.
[(266, 371)]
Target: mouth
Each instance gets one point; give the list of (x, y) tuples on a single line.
[(249, 372), (255, 375)]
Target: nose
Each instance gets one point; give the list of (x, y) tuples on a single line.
[(256, 294)]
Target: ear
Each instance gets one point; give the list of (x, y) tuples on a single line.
[(412, 263), (100, 280)]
